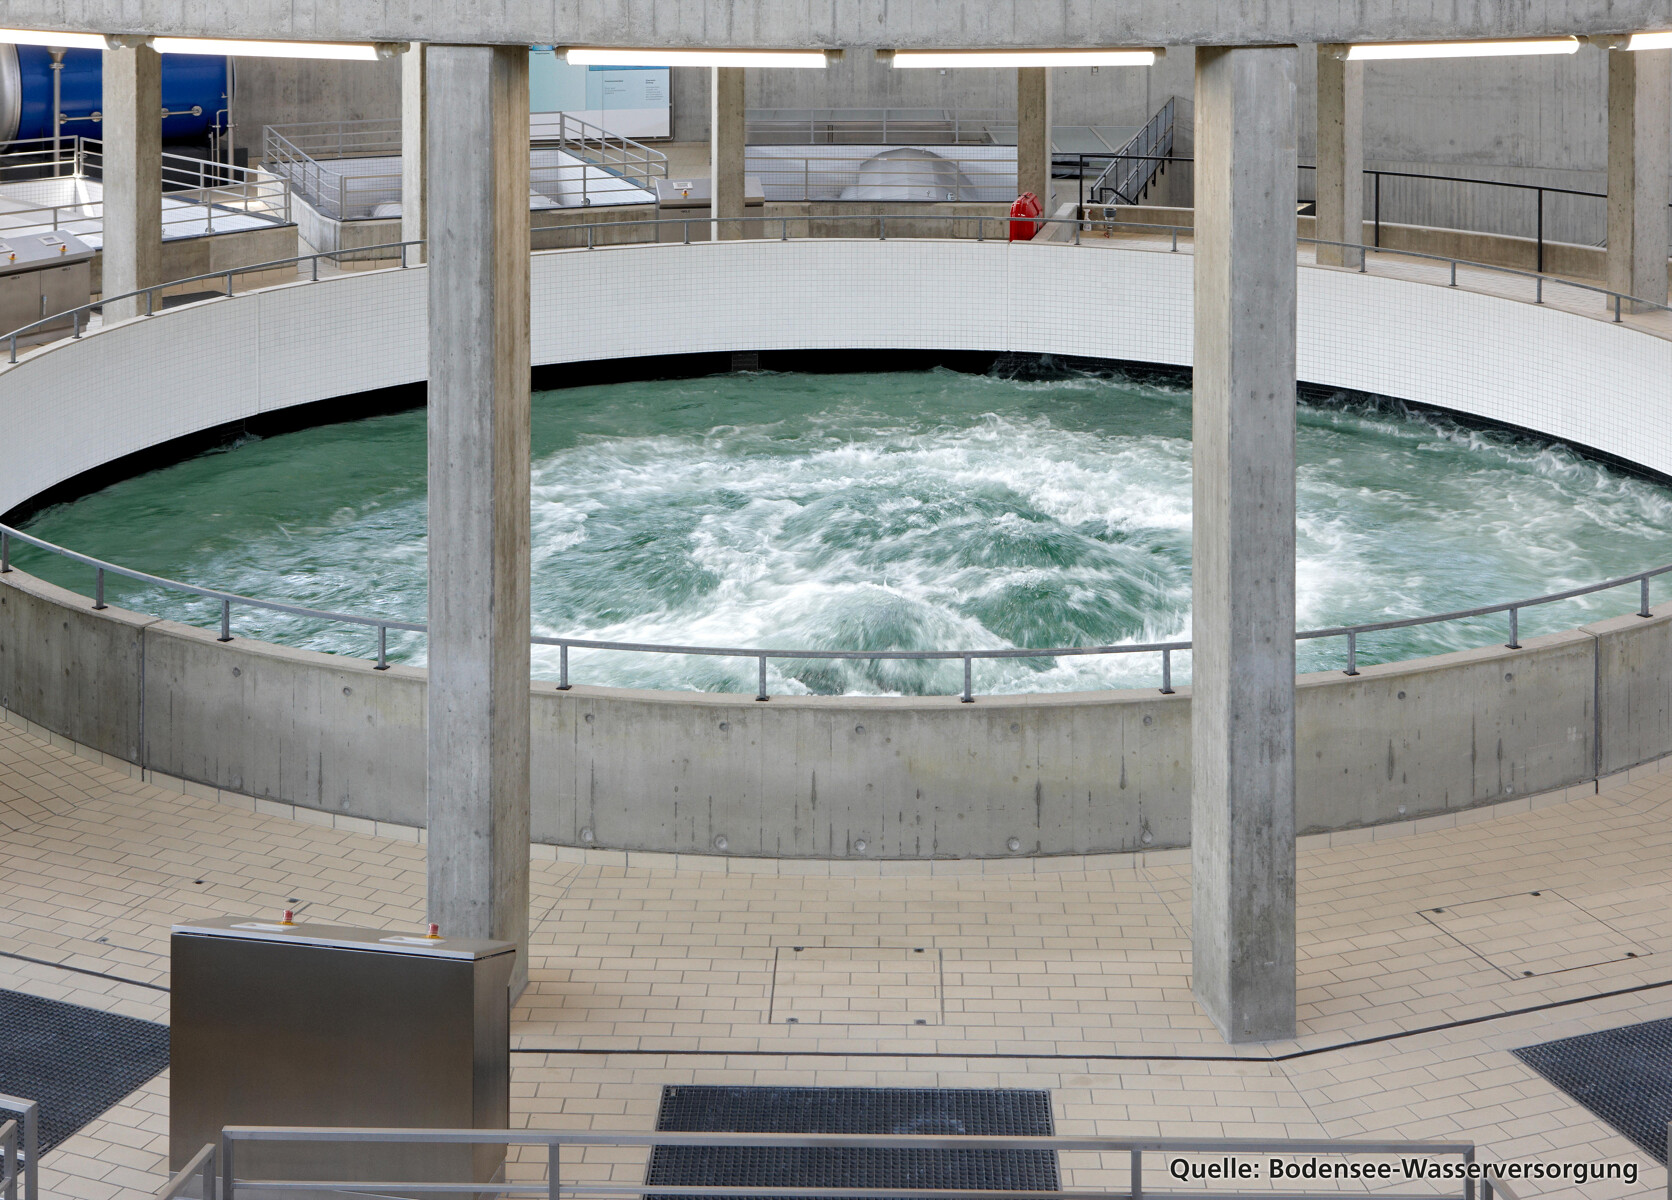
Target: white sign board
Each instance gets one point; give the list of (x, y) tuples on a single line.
[(631, 101)]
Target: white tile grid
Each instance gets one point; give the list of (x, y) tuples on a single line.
[(1479, 354)]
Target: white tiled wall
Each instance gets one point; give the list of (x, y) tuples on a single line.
[(78, 404)]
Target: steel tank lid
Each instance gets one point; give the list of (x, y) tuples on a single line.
[(345, 937)]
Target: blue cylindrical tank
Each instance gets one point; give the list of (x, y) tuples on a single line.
[(200, 81)]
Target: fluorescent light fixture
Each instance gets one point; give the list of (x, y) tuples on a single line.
[(612, 56), (1379, 51), (68, 41), (1020, 58), (1650, 41), (351, 51)]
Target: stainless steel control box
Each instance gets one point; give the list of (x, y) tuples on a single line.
[(332, 1025)]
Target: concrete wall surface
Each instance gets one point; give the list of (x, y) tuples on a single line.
[(1060, 774), (807, 777)]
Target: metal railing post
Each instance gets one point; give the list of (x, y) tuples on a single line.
[(227, 1180), (226, 621), (98, 589), (1538, 290), (1137, 1174), (553, 1189), (1540, 202), (1514, 642), (76, 319), (968, 697), (382, 648), (760, 693), (1616, 312), (1643, 607), (563, 668), (1469, 1183), (9, 1158), (209, 1171), (1352, 653), (1166, 672), (1453, 273), (315, 261), (1376, 180)]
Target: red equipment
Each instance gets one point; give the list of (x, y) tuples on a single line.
[(1025, 205)]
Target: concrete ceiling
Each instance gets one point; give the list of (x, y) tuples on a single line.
[(846, 23)]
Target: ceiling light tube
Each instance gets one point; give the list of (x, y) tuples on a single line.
[(612, 56), (1661, 40), (1021, 58), (67, 41), (1382, 51), (239, 47)]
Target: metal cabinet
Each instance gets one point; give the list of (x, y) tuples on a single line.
[(41, 275), (276, 1024)]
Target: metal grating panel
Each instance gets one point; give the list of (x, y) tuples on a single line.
[(970, 1111), (74, 1061), (1622, 1075)]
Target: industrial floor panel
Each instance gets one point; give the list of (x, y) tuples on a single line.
[(73, 1061), (1622, 1075), (963, 1111), (1533, 933)]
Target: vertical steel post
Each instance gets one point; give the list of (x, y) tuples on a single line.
[(1514, 642), (552, 1186), (968, 697), (226, 621), (1643, 608), (98, 589), (1540, 195), (1166, 672), (5, 553), (382, 648), (1137, 1174), (760, 693), (563, 668), (226, 1168), (1376, 179)]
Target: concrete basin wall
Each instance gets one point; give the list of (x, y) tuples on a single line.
[(844, 778), (806, 776)]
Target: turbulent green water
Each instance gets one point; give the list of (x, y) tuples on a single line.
[(902, 510)]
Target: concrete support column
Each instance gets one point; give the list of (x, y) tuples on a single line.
[(725, 151), (414, 110), (1639, 129), (1243, 674), (1340, 174), (132, 132), (477, 766), (1033, 134)]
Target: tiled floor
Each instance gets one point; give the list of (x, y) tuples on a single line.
[(1073, 980)]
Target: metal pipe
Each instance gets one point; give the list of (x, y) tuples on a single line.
[(1514, 642), (98, 589), (760, 694), (1376, 177), (1643, 607), (563, 668), (57, 53), (1137, 1173), (382, 648), (226, 621), (1166, 672), (968, 697), (1540, 202), (1352, 654), (5, 553)]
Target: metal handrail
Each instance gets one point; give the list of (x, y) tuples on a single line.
[(555, 1140), (1004, 224), (8, 1160), (79, 313), (204, 1168), (763, 656), (29, 1113)]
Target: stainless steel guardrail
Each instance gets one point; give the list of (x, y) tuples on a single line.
[(553, 1187), (382, 625), (23, 1141), (204, 1169), (763, 656)]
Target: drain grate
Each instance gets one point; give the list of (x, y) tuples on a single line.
[(74, 1061), (964, 1111), (1622, 1075)]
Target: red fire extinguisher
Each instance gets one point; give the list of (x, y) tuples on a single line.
[(1025, 205)]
